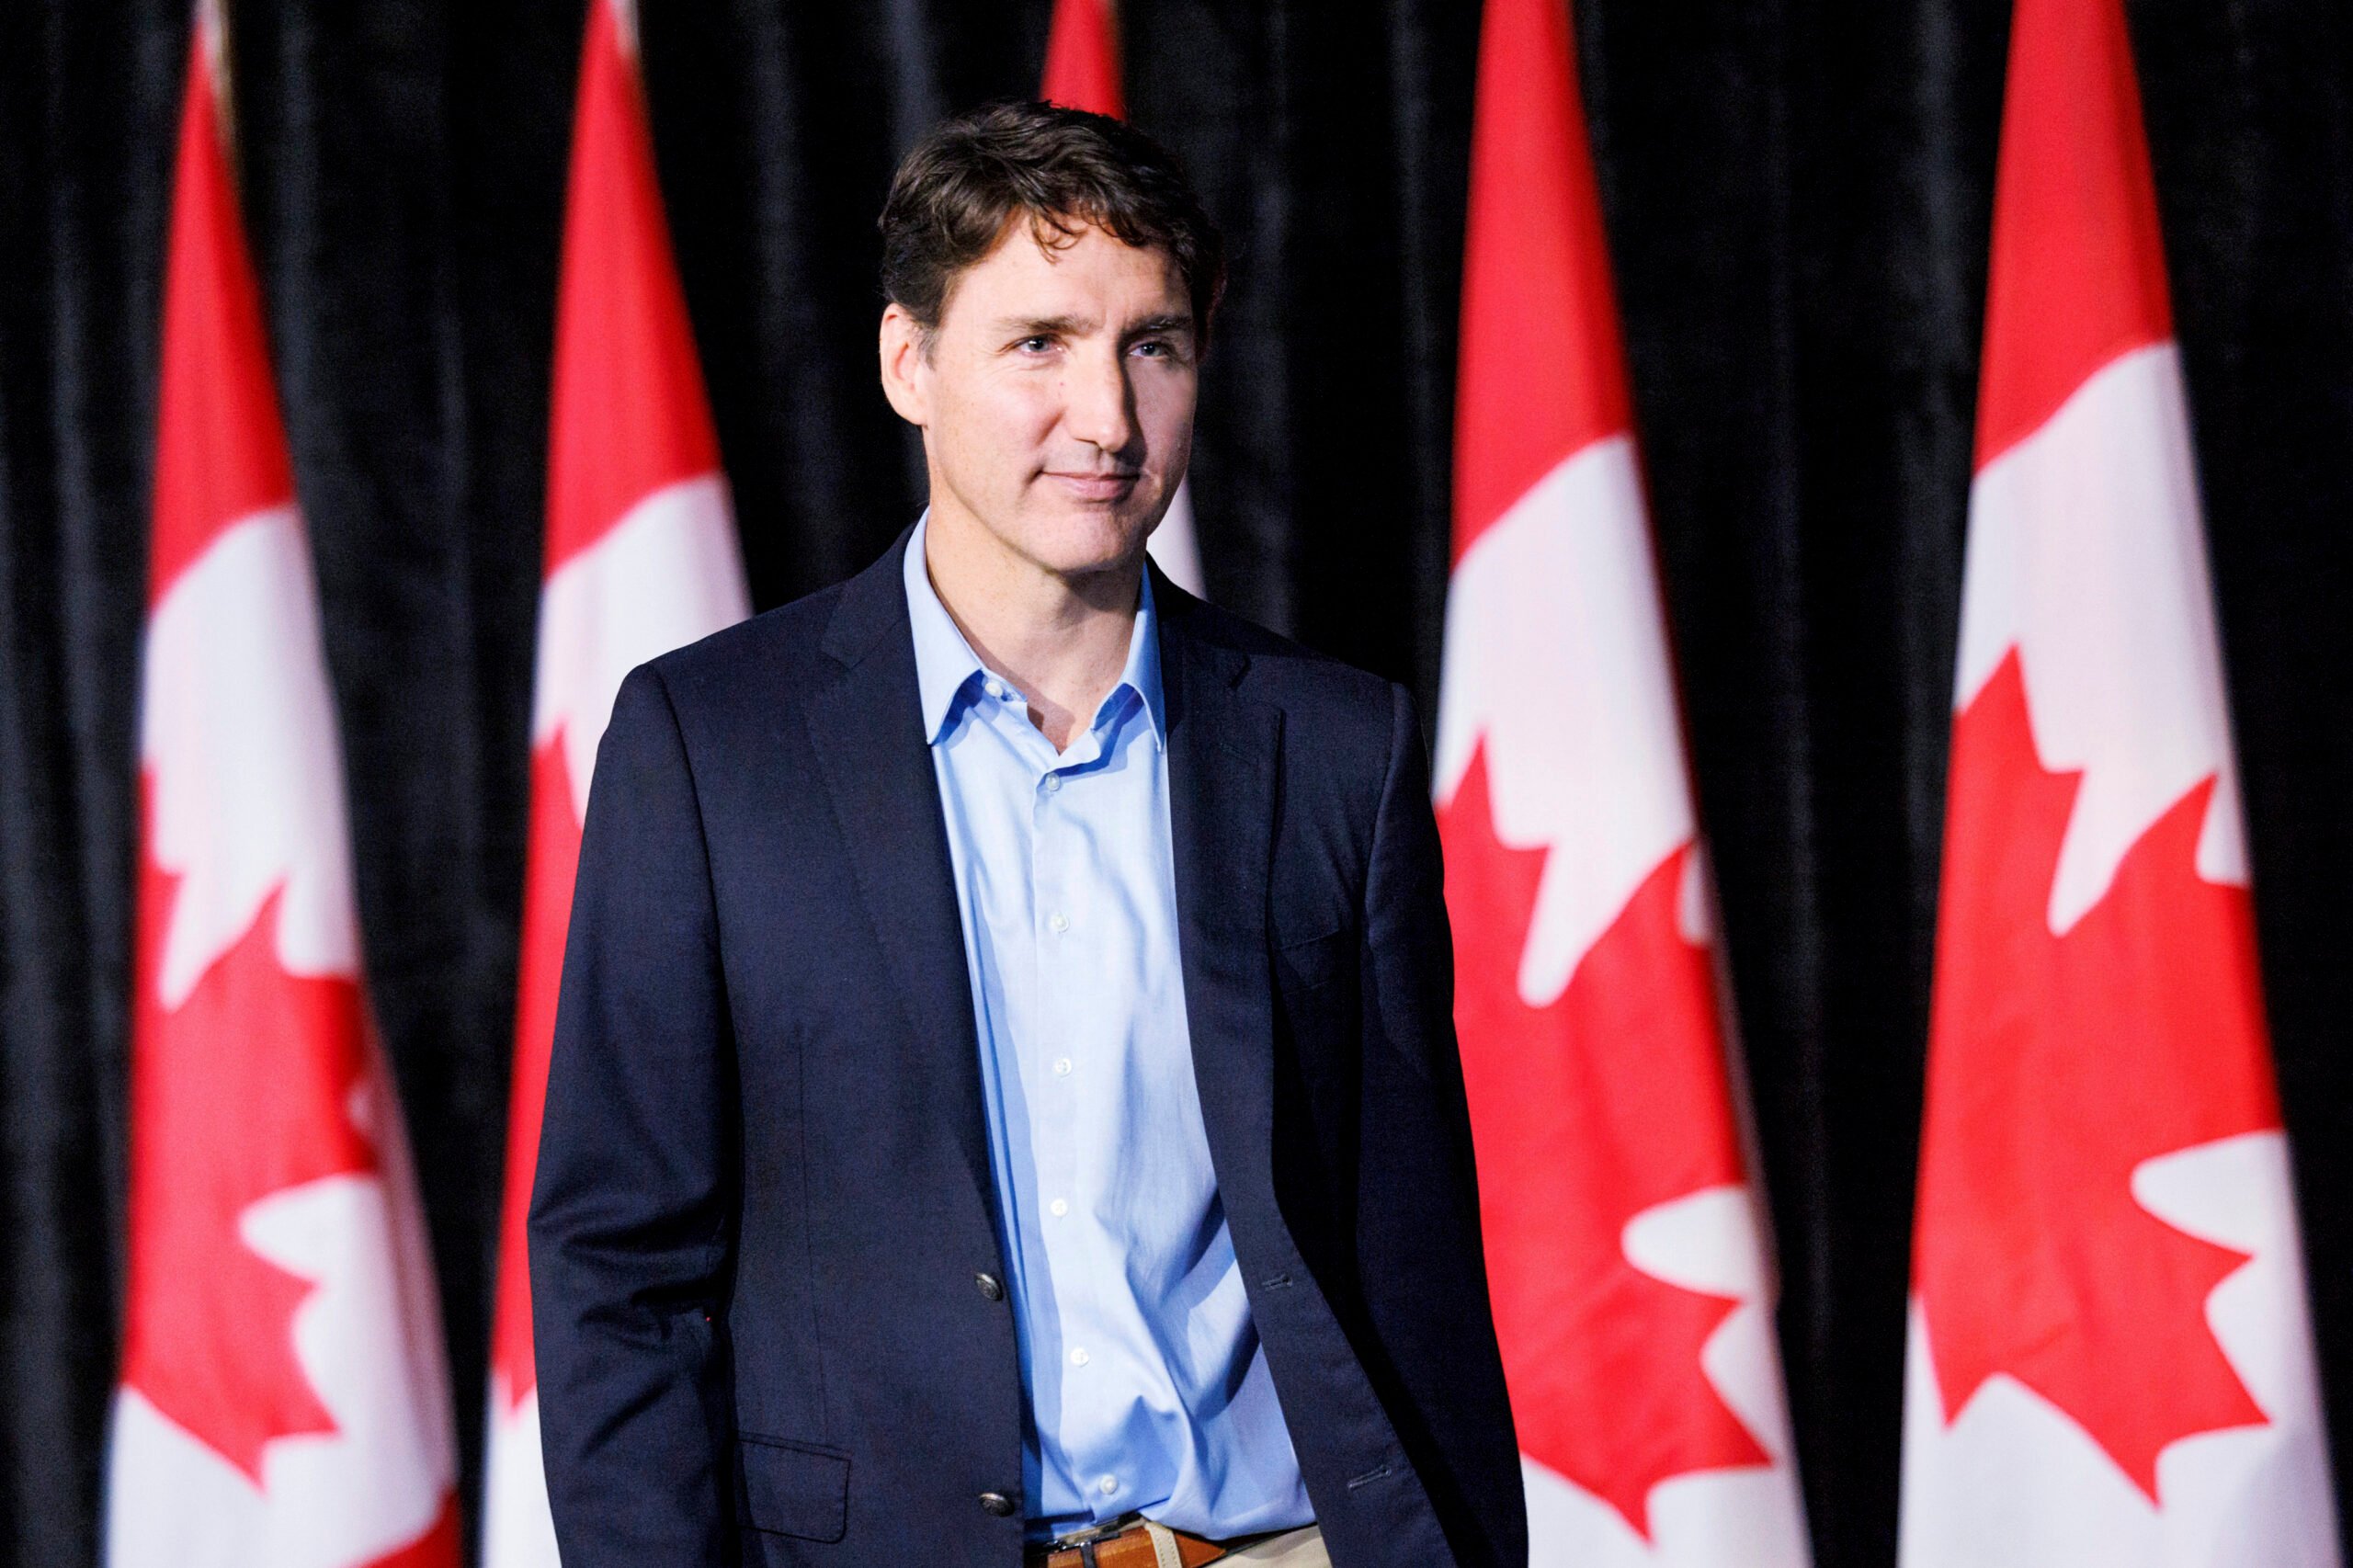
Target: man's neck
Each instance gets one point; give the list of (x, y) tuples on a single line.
[(1060, 640)]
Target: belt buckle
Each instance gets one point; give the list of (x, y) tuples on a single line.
[(1085, 1541)]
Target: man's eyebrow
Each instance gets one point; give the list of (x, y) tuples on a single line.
[(1079, 327), (1170, 321), (1044, 326)]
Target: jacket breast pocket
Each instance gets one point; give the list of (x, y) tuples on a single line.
[(795, 1489)]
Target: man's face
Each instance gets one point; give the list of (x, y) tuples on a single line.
[(1055, 395)]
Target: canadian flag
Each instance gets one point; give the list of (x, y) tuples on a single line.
[(642, 558), (1083, 72), (283, 1402), (2109, 1357), (1630, 1291)]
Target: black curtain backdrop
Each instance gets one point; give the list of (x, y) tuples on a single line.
[(1797, 194)]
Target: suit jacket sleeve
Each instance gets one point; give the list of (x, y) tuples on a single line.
[(1423, 1267), (631, 1218)]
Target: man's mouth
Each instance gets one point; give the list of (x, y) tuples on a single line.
[(1095, 486)]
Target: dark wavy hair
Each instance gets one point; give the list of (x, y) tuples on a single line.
[(1061, 168)]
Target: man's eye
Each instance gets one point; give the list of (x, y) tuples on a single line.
[(1157, 348), (1037, 345)]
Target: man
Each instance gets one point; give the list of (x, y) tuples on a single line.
[(1004, 1103)]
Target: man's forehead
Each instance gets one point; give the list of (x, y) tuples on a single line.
[(1036, 268)]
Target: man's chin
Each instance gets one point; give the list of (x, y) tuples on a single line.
[(1074, 541)]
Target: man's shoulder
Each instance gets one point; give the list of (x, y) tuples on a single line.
[(1345, 714), (773, 661), (1278, 667), (763, 659)]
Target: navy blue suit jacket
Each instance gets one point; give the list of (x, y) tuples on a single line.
[(764, 1190)]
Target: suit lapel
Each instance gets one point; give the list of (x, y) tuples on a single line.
[(866, 731), (1224, 756), (1222, 761)]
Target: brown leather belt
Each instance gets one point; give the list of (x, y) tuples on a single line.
[(1129, 1548)]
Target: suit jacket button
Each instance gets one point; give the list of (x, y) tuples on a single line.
[(990, 1286), (997, 1504)]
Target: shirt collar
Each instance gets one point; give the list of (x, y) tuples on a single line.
[(945, 665)]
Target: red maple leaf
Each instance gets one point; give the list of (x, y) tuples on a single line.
[(1608, 1102), (242, 1090), (2058, 1065), (554, 863)]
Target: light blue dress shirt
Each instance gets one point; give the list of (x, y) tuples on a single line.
[(1147, 1386)]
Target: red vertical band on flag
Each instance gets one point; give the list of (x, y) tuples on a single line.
[(1082, 59), (2078, 272), (219, 445), (1542, 366), (629, 414)]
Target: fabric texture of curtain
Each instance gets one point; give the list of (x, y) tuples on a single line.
[(1797, 194)]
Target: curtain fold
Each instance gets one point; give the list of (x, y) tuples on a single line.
[(1798, 195)]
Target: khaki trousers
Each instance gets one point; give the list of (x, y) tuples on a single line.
[(1292, 1549)]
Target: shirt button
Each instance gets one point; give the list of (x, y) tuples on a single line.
[(996, 689), (1059, 1207), (1058, 922), (996, 1505), (1061, 1068), (989, 1284), (1078, 1357), (1107, 1485), (1054, 783)]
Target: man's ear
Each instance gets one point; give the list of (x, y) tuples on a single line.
[(902, 351)]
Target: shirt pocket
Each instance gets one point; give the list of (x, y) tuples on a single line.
[(795, 1489)]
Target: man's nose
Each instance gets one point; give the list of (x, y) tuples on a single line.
[(1098, 402)]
